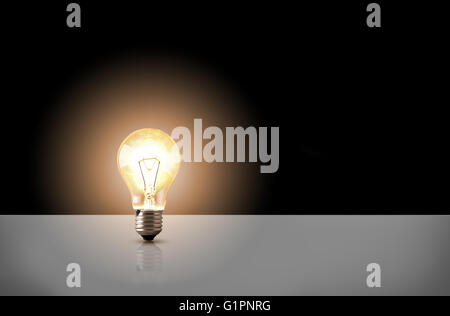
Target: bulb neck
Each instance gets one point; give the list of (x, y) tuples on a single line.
[(148, 223)]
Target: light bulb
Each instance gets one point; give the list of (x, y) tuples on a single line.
[(148, 160)]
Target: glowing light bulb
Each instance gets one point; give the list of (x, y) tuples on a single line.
[(148, 160)]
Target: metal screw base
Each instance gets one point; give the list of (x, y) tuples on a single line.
[(148, 223)]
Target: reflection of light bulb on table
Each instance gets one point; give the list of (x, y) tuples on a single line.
[(149, 258), (148, 160)]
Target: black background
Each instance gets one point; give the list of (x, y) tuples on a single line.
[(365, 107)]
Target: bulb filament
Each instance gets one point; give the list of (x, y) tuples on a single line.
[(149, 170)]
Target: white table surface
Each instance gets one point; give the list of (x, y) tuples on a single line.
[(225, 255)]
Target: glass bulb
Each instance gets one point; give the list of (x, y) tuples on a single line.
[(148, 160)]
